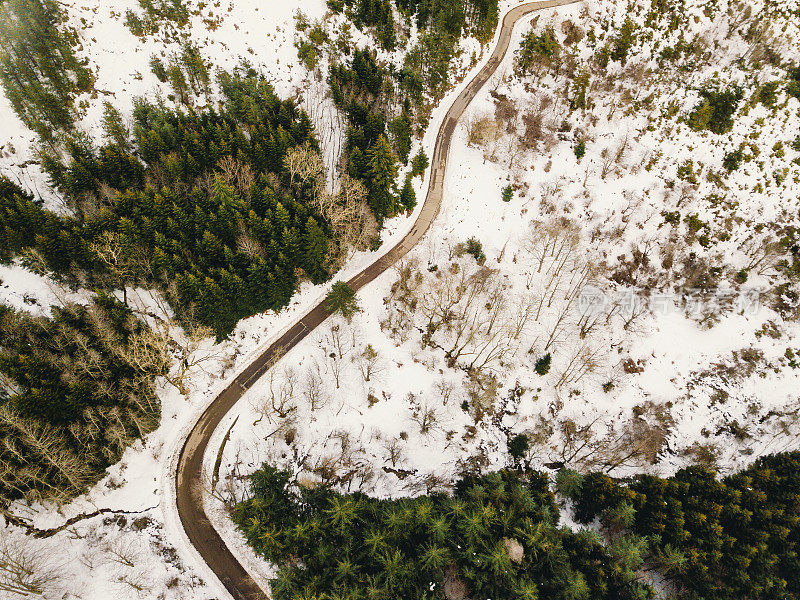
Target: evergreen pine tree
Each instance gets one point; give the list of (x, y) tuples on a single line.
[(408, 199), (316, 248), (518, 446), (419, 163), (342, 299), (401, 131), (542, 366), (381, 178), (292, 245), (114, 127)]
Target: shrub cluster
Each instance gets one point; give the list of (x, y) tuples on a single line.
[(716, 108)]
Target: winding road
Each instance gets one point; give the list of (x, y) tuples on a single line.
[(189, 487)]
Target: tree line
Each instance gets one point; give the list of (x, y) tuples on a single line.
[(357, 89), (497, 537), (715, 539)]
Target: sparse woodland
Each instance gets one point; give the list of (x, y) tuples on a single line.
[(77, 390), (39, 71), (719, 88), (678, 126)]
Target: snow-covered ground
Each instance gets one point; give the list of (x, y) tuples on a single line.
[(669, 385), (666, 379)]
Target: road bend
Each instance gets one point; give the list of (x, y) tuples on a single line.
[(189, 486)]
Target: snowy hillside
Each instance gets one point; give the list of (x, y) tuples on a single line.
[(613, 277), (666, 344)]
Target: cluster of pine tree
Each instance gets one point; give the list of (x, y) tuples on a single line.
[(537, 50), (155, 14), (75, 390), (371, 14), (715, 539), (441, 24), (447, 17), (187, 73), (21, 218), (39, 71), (383, 104), (197, 204), (496, 537), (357, 89)]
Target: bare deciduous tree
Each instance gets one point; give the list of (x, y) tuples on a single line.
[(338, 343), (313, 388), (44, 450), (635, 442), (155, 348), (126, 263), (123, 551), (247, 244), (26, 567), (584, 361), (445, 389), (484, 132), (350, 217), (280, 402), (370, 363), (305, 164), (236, 173), (394, 451)]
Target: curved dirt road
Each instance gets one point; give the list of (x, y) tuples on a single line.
[(189, 490)]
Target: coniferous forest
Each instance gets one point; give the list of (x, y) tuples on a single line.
[(715, 539), (200, 204), (498, 536), (77, 390), (196, 203)]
